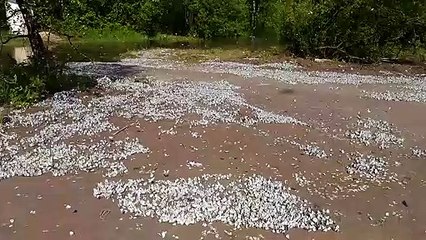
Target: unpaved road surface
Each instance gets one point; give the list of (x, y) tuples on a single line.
[(217, 150)]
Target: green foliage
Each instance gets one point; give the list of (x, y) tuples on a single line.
[(79, 16), (19, 94), (19, 88), (201, 18), (146, 16), (112, 33), (218, 18), (353, 29), (350, 29), (24, 84), (295, 24), (345, 29)]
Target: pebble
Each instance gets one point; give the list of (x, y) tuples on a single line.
[(417, 152), (194, 164), (163, 234), (66, 116)]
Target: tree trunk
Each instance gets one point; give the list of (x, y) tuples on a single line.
[(40, 53)]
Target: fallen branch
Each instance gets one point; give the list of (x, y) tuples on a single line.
[(363, 60), (122, 129)]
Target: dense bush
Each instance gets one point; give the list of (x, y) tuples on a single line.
[(353, 29)]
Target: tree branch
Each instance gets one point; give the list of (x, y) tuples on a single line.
[(75, 48), (13, 37)]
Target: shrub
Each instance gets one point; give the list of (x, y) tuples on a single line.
[(353, 29), (20, 89), (24, 84)]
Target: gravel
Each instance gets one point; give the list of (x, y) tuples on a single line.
[(60, 159), (244, 202), (371, 168), (415, 92), (213, 102), (50, 129), (369, 131), (311, 149), (44, 140), (331, 185), (284, 72)]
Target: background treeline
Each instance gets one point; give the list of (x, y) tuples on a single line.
[(356, 29), (339, 28)]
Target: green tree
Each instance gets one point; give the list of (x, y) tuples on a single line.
[(218, 18), (21, 84)]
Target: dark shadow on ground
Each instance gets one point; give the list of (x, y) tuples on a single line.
[(113, 70)]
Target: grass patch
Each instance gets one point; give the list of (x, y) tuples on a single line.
[(112, 34), (17, 42), (124, 34), (14, 42)]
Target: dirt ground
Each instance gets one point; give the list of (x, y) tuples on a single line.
[(36, 208)]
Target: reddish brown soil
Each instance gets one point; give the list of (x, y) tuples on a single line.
[(218, 153)]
